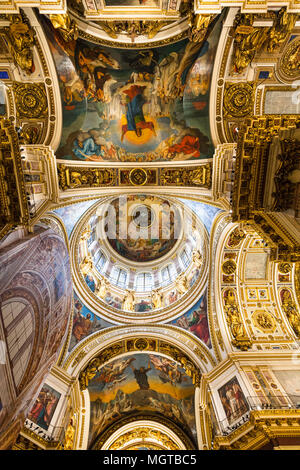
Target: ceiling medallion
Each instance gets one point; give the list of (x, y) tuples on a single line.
[(138, 177), (264, 321), (31, 100), (239, 99)]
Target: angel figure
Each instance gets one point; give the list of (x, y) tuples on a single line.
[(157, 298), (86, 266), (129, 301), (197, 258), (101, 288), (181, 284)]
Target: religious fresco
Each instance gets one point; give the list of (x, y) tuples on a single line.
[(134, 105), (150, 222), (44, 407), (195, 321), (138, 384), (233, 400), (85, 323)]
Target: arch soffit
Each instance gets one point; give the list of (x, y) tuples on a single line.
[(172, 336)]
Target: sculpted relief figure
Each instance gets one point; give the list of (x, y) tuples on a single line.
[(181, 284), (157, 299), (86, 266), (86, 233), (233, 317), (129, 301), (101, 288), (197, 258), (290, 309), (21, 39)]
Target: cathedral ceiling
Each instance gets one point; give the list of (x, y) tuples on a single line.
[(155, 106)]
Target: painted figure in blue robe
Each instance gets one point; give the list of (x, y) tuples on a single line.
[(134, 112), (83, 149)]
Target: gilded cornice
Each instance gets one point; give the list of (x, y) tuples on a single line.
[(14, 208), (135, 45), (263, 425), (78, 177)]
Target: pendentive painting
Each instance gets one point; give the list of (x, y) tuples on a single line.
[(85, 323), (44, 407), (134, 105), (233, 400), (195, 321), (141, 384)]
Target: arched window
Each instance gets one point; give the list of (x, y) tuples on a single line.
[(119, 277), (186, 257), (100, 261), (168, 274), (144, 282), (18, 321)]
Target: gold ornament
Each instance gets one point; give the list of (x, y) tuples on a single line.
[(75, 177), (229, 267), (31, 100), (284, 268), (247, 41), (157, 299), (69, 435), (289, 65), (197, 258), (234, 321), (86, 266), (264, 321), (239, 99), (102, 288), (132, 28), (138, 177), (290, 309), (198, 27), (283, 25), (21, 39), (66, 27), (181, 284)]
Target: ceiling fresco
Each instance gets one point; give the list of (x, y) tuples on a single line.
[(134, 105), (150, 223), (141, 384)]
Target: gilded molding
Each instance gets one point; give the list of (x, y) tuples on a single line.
[(14, 208), (31, 100), (74, 177), (238, 99)]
